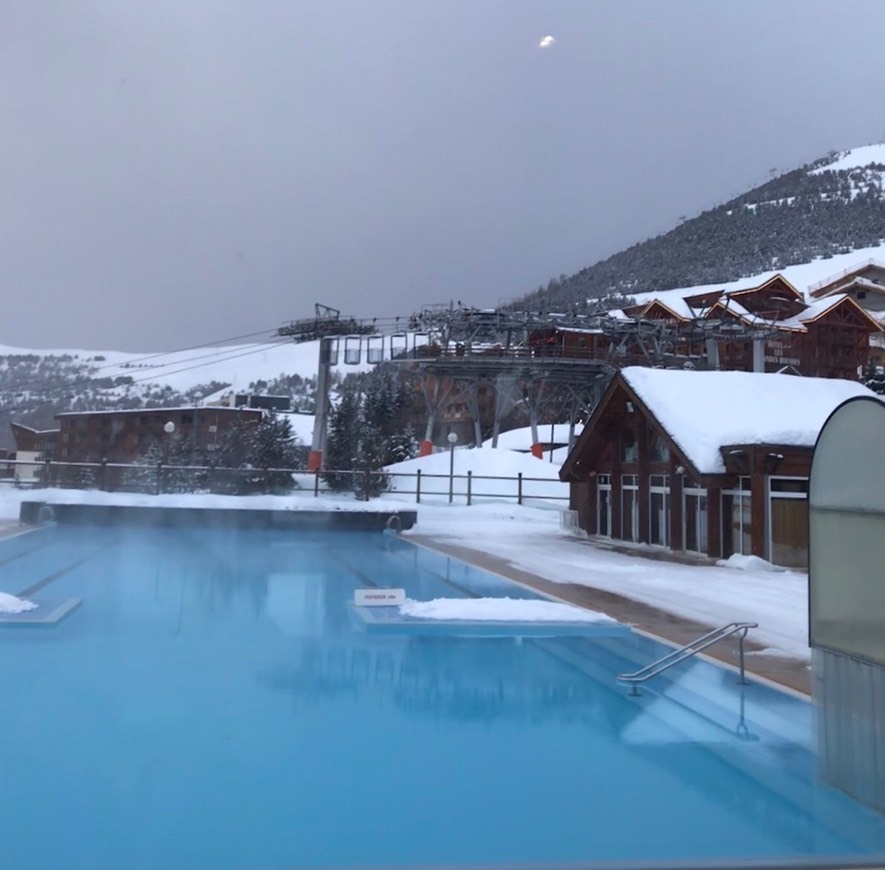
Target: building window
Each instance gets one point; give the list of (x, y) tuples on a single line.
[(629, 507), (694, 517), (629, 447), (788, 521), (658, 449), (604, 505), (659, 510), (737, 519)]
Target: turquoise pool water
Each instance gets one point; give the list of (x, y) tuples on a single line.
[(213, 703)]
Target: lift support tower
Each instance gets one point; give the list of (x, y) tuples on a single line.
[(326, 326)]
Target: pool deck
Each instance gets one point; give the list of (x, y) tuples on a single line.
[(11, 527), (790, 673)]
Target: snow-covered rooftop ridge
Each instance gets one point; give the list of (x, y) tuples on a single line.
[(850, 272), (814, 310), (803, 277), (703, 411), (855, 158), (158, 411)]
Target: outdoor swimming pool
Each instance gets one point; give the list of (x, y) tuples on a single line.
[(215, 703)]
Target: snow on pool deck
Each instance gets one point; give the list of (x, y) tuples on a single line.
[(500, 610)]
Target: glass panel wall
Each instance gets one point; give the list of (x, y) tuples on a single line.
[(659, 510), (694, 518), (604, 505), (736, 516), (788, 521), (629, 507)]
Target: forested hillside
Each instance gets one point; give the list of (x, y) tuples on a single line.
[(813, 212)]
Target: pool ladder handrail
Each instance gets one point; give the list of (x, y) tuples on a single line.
[(690, 649)]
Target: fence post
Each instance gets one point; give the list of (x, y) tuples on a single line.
[(418, 487), (469, 486), (266, 481), (103, 484), (316, 483), (519, 488), (159, 477)]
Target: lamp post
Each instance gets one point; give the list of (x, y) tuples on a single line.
[(452, 438), (168, 428), (197, 397)]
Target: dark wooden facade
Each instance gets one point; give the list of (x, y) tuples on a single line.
[(41, 442), (125, 436), (631, 482), (822, 340), (780, 333)]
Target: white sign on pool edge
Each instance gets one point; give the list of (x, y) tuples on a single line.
[(379, 597)]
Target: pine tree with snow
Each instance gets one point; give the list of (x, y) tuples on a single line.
[(342, 441), (369, 458), (141, 476), (272, 445)]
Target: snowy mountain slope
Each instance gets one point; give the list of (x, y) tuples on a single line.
[(236, 365), (37, 384), (831, 207)]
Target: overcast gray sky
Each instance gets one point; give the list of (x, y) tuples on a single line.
[(177, 172)]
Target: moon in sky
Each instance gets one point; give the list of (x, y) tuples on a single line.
[(546, 42)]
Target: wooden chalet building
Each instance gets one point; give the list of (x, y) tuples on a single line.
[(769, 328), (32, 448), (706, 462), (125, 436), (865, 284)]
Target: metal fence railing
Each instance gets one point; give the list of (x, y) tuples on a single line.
[(157, 479)]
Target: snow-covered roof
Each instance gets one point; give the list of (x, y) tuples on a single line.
[(574, 330), (674, 302), (813, 311), (178, 409), (803, 275), (865, 284), (703, 411)]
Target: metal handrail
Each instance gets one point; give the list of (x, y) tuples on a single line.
[(690, 649)]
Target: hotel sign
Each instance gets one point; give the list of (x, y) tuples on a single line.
[(780, 353)]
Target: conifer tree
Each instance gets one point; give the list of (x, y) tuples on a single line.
[(272, 445), (343, 439)]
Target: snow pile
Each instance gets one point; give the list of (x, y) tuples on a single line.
[(11, 604), (521, 439), (500, 610), (768, 651), (494, 475), (747, 563), (737, 408)]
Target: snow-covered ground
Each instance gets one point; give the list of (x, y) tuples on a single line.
[(530, 538)]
